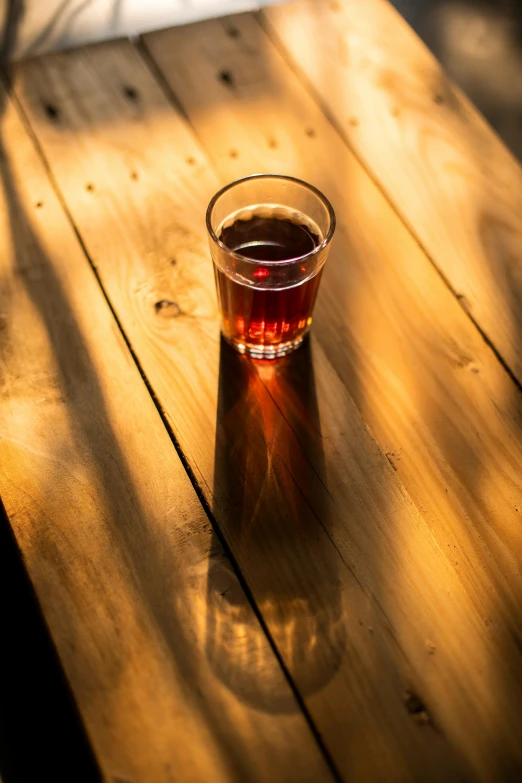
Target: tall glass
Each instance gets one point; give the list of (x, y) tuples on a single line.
[(269, 238)]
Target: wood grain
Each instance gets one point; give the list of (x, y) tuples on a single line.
[(137, 184), (443, 167), (438, 401), (349, 578), (141, 602)]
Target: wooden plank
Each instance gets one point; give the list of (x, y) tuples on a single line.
[(353, 602), (171, 671), (439, 403), (443, 167)]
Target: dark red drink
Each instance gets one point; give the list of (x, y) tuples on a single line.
[(269, 239), (271, 308)]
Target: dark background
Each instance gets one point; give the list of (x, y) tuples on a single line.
[(479, 43)]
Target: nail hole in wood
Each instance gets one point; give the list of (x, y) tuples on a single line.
[(233, 153), (39, 204), (272, 143), (354, 122), (173, 262), (134, 175), (438, 99), (52, 112), (233, 32), (311, 133), (131, 93), (191, 161), (226, 77), (89, 187)]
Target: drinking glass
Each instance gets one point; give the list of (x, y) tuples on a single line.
[(269, 238)]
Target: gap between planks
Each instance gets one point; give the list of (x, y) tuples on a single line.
[(136, 336), (156, 73), (406, 91), (261, 16), (141, 721), (214, 127)]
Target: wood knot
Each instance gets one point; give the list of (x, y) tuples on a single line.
[(430, 647), (167, 308)]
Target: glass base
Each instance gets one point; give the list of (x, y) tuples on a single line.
[(266, 351)]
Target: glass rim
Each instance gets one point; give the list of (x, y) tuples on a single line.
[(326, 241)]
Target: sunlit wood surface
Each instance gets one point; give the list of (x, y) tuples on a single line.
[(337, 594), (455, 184), (126, 566)]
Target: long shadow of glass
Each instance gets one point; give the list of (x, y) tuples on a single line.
[(274, 535)]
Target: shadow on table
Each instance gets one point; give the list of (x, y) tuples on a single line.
[(78, 387), (500, 250), (290, 568), (479, 43), (148, 563), (40, 729)]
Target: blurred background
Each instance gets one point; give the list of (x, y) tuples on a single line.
[(479, 42), (44, 25)]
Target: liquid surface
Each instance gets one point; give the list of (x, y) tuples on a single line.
[(270, 238)]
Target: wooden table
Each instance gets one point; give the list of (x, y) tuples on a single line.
[(308, 570)]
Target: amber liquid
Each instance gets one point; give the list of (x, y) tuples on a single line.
[(262, 315)]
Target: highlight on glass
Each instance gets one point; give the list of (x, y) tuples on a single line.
[(269, 239)]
